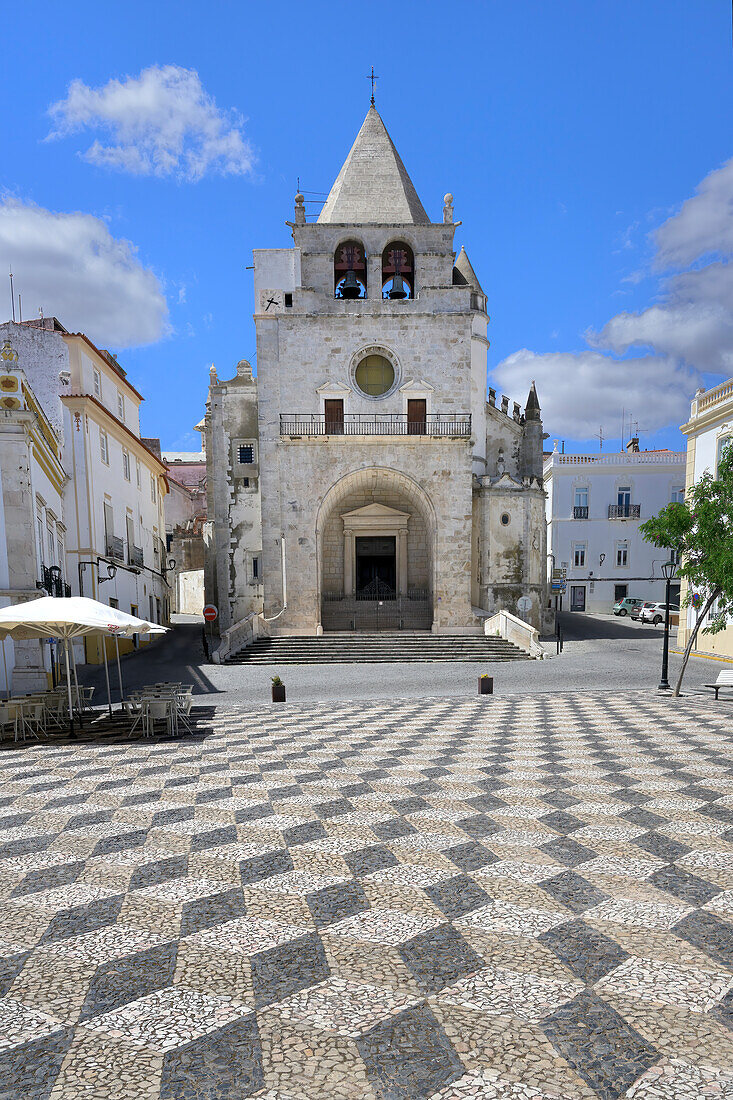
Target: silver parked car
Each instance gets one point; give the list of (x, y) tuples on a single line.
[(655, 613)]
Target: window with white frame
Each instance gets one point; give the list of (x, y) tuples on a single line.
[(153, 489), (678, 494), (126, 463), (723, 442), (121, 406), (97, 382), (624, 497), (104, 446), (41, 542), (581, 497), (60, 549), (137, 473), (579, 554), (51, 546), (622, 554)]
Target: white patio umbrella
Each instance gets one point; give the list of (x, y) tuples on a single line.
[(66, 618), (124, 625)]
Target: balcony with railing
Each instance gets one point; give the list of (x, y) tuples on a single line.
[(443, 425), (115, 548), (580, 511), (624, 511), (135, 556)]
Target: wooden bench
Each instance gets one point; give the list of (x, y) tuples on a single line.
[(725, 680)]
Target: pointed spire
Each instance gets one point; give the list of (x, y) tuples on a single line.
[(373, 186), (467, 276), (532, 408)]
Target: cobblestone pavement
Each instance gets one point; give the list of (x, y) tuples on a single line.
[(496, 898)]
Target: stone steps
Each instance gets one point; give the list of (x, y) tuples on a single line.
[(398, 646)]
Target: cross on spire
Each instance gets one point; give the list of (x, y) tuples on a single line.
[(372, 77)]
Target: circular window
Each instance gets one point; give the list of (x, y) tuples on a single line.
[(374, 375), (505, 519)]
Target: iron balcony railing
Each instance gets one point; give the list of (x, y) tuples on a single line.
[(134, 556), (115, 548), (580, 511), (52, 581), (624, 511), (446, 425)]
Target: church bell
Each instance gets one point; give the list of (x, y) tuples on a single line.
[(397, 290), (351, 287)]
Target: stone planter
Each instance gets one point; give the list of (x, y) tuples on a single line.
[(278, 693), (486, 685)]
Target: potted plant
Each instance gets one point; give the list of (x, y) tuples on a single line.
[(486, 684), (278, 690)]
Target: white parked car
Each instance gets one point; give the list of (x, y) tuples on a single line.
[(654, 613)]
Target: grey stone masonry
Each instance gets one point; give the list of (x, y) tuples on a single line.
[(457, 478)]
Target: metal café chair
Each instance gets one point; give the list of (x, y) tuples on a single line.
[(8, 719), (157, 708), (29, 719)]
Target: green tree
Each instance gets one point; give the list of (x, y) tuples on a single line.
[(700, 532)]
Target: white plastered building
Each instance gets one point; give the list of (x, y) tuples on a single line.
[(113, 497), (32, 530), (709, 429), (595, 506)]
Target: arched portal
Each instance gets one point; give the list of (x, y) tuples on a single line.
[(375, 539)]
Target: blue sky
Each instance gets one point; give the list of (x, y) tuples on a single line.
[(568, 133)]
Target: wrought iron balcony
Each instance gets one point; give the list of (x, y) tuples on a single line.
[(446, 425), (624, 511), (115, 548), (52, 581), (580, 511), (135, 556)]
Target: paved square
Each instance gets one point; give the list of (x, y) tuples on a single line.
[(437, 900)]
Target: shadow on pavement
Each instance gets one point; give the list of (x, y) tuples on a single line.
[(577, 626), (179, 655)]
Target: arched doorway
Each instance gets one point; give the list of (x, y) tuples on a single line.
[(375, 537)]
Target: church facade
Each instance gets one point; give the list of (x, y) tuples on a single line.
[(364, 479)]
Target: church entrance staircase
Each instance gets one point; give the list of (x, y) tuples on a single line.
[(384, 646)]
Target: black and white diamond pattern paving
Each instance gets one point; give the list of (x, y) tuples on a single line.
[(441, 900)]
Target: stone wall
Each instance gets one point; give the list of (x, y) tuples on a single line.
[(233, 531)]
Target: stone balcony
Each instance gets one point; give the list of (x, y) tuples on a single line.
[(443, 425)]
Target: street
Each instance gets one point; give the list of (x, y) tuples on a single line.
[(600, 654)]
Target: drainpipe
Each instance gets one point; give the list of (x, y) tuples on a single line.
[(284, 607)]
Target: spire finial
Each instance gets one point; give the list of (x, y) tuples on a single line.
[(372, 77)]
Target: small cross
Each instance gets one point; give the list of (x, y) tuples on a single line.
[(372, 77)]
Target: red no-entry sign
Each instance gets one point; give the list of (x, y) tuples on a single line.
[(210, 612)]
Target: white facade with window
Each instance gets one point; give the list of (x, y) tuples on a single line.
[(32, 532), (114, 523), (708, 431), (595, 504)]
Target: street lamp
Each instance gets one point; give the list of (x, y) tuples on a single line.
[(669, 569)]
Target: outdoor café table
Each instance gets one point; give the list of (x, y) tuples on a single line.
[(30, 717)]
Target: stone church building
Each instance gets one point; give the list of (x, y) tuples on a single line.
[(363, 480)]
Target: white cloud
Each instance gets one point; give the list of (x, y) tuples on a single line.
[(693, 323), (579, 391), (687, 331), (703, 225), (71, 266), (160, 123)]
